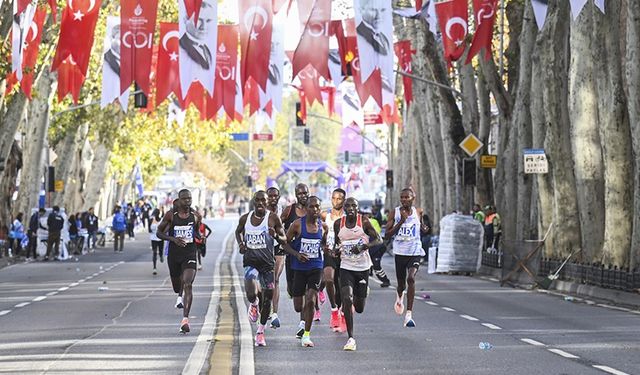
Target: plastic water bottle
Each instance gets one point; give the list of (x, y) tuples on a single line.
[(485, 345), (103, 288)]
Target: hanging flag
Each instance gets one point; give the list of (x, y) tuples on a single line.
[(54, 9), (198, 46), (404, 52), (139, 181), (20, 6), (138, 22), (374, 29), (251, 96), (576, 7), (198, 97), (371, 87), (239, 97), (226, 62), (255, 19), (30, 54), (22, 23), (70, 79), (452, 17), (540, 11), (76, 33), (275, 81), (168, 71), (315, 17), (599, 4), (485, 16), (111, 66), (193, 8), (310, 84), (425, 12), (175, 111)]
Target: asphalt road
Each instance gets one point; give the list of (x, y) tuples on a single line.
[(107, 313)]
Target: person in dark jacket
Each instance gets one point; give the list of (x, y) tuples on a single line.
[(55, 223)]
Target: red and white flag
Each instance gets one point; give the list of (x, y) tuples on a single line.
[(275, 81), (313, 47), (111, 66), (370, 88), (22, 23), (138, 23), (70, 79), (193, 8), (168, 71), (198, 42), (485, 16), (404, 52), (255, 18), (29, 54), (310, 84), (78, 25), (374, 29), (20, 6), (226, 64), (452, 17)]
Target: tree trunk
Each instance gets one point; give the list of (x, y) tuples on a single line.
[(8, 185), (9, 123), (96, 175), (484, 189)]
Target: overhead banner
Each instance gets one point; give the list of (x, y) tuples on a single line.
[(404, 52), (111, 66), (168, 70), (198, 46), (138, 22), (255, 19), (275, 81), (374, 29), (70, 79), (226, 65), (315, 18)]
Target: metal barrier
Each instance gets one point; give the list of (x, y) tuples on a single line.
[(596, 274)]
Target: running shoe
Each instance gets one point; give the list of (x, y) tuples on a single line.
[(322, 297), (260, 341), (161, 259), (385, 283), (253, 312), (184, 325), (275, 321), (343, 323), (155, 272), (199, 266), (316, 316), (306, 342), (334, 321), (179, 304), (300, 331), (350, 345), (408, 321)]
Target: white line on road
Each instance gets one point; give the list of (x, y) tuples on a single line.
[(73, 284), (63, 289), (38, 299), (563, 353), (448, 309), (247, 366), (23, 304), (532, 342), (491, 326), (468, 317), (200, 350), (4, 312), (431, 303), (610, 370), (614, 307)]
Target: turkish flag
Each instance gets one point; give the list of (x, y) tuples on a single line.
[(310, 84), (372, 87), (418, 5), (277, 4), (30, 54), (137, 22), (452, 17), (168, 71), (54, 9), (313, 47), (251, 96), (255, 18), (485, 13), (224, 94), (403, 52), (76, 33), (21, 5), (70, 79), (193, 7), (196, 96)]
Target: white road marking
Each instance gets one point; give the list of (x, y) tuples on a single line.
[(63, 289), (532, 342), (200, 350), (448, 309), (73, 284), (563, 353), (38, 299), (23, 304), (4, 312), (247, 366), (52, 293), (431, 303), (491, 326), (610, 370), (468, 317), (614, 307)]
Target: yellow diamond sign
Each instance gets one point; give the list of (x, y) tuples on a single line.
[(471, 145)]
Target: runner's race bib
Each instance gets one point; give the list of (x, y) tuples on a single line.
[(185, 232), (256, 240), (348, 246), (310, 247), (406, 233)]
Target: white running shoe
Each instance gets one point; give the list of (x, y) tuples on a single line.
[(179, 303), (350, 345)]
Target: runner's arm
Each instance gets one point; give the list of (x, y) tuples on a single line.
[(275, 225), (391, 228), (336, 245), (240, 233), (207, 230), (293, 232), (372, 233), (424, 228)]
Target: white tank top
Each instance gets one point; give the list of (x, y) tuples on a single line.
[(256, 235), (349, 238), (331, 235), (407, 240)]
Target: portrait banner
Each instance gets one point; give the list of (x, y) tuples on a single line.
[(111, 66), (374, 30)]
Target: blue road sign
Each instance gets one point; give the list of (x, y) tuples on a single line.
[(240, 136)]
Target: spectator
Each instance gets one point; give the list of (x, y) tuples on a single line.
[(55, 223), (119, 226), (492, 228), (131, 217), (425, 237), (65, 239), (156, 243), (73, 234), (90, 223), (33, 235), (478, 214), (16, 235)]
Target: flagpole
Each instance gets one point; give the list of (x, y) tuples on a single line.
[(501, 38)]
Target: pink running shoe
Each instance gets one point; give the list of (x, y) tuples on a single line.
[(316, 316), (334, 321), (260, 341), (343, 323), (322, 297), (253, 312)]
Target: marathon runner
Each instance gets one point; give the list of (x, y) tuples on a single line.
[(289, 215), (255, 236), (331, 273), (273, 199), (309, 236), (405, 225), (179, 227), (352, 233)]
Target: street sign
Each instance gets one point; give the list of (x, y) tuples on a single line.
[(488, 161), (263, 137), (59, 186), (239, 136), (471, 145), (535, 161)]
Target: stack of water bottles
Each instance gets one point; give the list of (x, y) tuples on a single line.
[(460, 244)]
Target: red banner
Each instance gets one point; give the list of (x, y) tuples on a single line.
[(404, 52), (21, 5), (30, 54), (70, 79), (313, 48), (54, 9), (372, 87), (224, 94), (197, 96), (137, 23), (310, 84), (485, 16), (76, 33), (255, 40), (193, 7), (452, 17), (168, 73)]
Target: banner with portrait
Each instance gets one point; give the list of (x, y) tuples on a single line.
[(111, 66)]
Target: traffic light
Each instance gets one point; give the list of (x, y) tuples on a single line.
[(346, 156), (249, 181), (469, 172), (389, 179), (299, 120), (139, 99), (51, 179), (260, 154), (306, 136)]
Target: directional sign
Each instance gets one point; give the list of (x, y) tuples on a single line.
[(263, 137), (488, 161), (59, 186), (239, 136), (535, 161), (471, 145)]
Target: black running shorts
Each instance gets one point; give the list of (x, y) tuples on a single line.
[(357, 280), (333, 262), (180, 260), (303, 280), (404, 262)]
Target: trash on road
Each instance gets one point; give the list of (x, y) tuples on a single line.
[(568, 298), (426, 296), (485, 345), (103, 288)]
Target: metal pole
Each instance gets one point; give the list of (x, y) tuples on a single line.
[(290, 128), (501, 38)]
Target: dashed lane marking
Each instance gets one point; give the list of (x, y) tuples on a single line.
[(4, 312), (491, 326), (469, 317), (563, 353), (610, 370), (448, 309), (431, 303), (39, 298), (23, 304), (532, 342)]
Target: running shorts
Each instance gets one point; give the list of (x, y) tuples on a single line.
[(265, 277), (303, 280), (357, 280), (180, 260)]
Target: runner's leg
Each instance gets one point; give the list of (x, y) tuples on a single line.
[(276, 287), (188, 275), (411, 287)]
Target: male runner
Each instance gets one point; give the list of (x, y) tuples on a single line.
[(331, 271), (179, 227), (309, 236), (289, 215), (405, 225), (352, 233), (254, 234), (273, 197)]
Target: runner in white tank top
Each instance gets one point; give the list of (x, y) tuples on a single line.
[(404, 226), (352, 233), (331, 272)]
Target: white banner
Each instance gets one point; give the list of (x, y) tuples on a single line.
[(540, 11), (599, 4), (576, 7), (275, 81), (20, 29), (374, 28), (111, 66), (198, 43), (350, 105)]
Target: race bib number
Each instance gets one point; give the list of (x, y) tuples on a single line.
[(406, 233), (310, 247), (184, 232), (347, 248), (256, 240), (331, 239)]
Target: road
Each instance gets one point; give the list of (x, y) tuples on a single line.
[(107, 313)]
